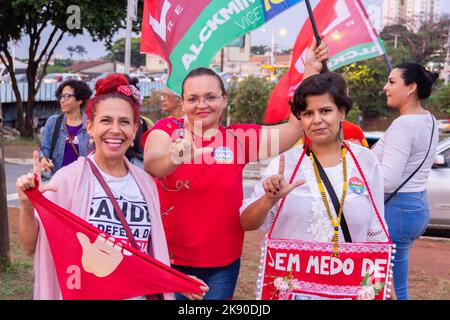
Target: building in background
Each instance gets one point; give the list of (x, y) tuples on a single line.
[(412, 12), (154, 64)]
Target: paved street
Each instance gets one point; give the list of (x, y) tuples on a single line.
[(13, 171)]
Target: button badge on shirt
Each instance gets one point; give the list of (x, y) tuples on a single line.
[(223, 155), (356, 185)]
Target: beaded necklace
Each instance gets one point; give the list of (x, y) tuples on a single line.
[(335, 222)]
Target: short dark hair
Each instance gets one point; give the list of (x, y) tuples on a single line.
[(318, 84), (204, 72), (414, 72), (81, 90)]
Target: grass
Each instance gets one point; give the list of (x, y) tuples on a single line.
[(16, 279)]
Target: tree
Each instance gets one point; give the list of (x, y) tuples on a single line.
[(116, 52), (30, 18), (71, 51), (250, 100), (260, 50), (80, 50), (424, 46), (366, 80)]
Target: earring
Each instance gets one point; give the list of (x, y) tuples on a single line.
[(132, 144), (91, 141), (341, 132)]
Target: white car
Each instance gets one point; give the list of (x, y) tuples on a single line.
[(141, 77), (438, 187), (60, 77)]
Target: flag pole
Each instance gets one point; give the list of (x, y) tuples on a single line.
[(316, 32)]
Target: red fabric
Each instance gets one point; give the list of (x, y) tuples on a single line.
[(202, 221), (278, 106), (88, 269), (339, 35)]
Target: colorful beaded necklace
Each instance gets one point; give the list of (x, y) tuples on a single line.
[(335, 222)]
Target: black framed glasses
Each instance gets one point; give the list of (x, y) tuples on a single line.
[(64, 97)]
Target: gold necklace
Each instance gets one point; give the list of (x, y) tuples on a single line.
[(335, 222)]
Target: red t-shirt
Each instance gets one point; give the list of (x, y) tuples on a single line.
[(200, 202)]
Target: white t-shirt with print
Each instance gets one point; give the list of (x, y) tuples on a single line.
[(132, 203)]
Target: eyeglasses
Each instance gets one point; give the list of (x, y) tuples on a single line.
[(168, 96), (193, 101), (64, 97)]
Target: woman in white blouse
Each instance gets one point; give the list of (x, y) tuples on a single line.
[(321, 103), (408, 145)]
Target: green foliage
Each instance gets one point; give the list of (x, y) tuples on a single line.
[(440, 101), (260, 50), (354, 113), (249, 100), (366, 81), (117, 52), (422, 46), (26, 20)]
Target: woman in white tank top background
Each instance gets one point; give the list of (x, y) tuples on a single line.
[(408, 144)]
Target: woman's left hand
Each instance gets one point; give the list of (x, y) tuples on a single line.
[(316, 55), (196, 296)]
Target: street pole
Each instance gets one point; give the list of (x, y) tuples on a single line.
[(4, 230), (272, 48), (130, 3)]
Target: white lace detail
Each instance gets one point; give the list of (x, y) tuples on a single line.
[(312, 288), (320, 227)]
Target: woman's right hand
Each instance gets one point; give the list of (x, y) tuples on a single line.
[(183, 150), (46, 164), (27, 181), (276, 186)]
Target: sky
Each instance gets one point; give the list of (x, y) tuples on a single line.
[(286, 20)]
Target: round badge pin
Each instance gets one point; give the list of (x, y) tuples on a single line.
[(356, 185), (223, 155)]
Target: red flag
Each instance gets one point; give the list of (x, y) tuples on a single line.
[(337, 20), (92, 265)]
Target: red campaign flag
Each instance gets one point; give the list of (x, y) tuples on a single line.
[(337, 21), (90, 266)]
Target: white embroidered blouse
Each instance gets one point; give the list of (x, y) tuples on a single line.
[(303, 215)]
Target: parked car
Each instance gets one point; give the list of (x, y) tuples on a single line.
[(141, 77), (444, 125), (19, 78), (60, 77), (157, 77), (438, 187)]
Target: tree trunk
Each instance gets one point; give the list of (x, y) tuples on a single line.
[(5, 258), (31, 76)]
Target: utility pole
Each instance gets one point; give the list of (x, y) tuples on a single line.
[(4, 230), (131, 15)]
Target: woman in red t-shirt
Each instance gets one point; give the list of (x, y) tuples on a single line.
[(198, 166)]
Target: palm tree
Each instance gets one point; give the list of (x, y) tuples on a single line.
[(71, 51), (80, 50)]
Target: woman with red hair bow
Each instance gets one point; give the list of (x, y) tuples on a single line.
[(112, 124)]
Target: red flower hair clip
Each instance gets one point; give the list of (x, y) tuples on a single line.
[(124, 89)]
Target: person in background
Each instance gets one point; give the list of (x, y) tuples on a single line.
[(65, 136), (406, 153), (135, 153), (171, 104)]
